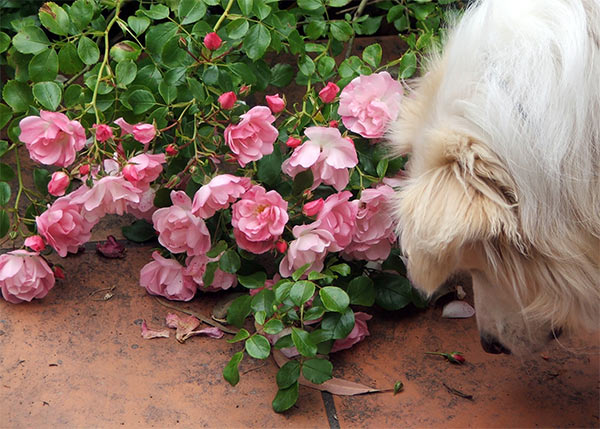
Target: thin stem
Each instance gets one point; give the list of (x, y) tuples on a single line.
[(357, 14), (222, 17)]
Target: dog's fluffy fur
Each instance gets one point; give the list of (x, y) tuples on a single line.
[(503, 132)]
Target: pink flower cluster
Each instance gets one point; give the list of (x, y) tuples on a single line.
[(24, 276), (253, 137)]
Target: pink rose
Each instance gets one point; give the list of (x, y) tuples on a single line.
[(369, 103), (196, 267), (327, 94), (144, 133), (310, 246), (275, 102), (293, 142), (358, 333), (259, 219), (103, 132), (217, 194), (165, 277), (51, 138), (374, 233), (143, 169), (35, 243), (227, 100), (24, 276), (58, 184), (327, 154), (144, 209), (212, 41), (253, 137), (178, 229), (64, 226), (313, 207), (338, 216)]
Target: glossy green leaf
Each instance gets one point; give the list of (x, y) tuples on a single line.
[(81, 13), (301, 292), (4, 41), (334, 298), (361, 291), (5, 116), (44, 66), (303, 342), (88, 50), (139, 231), (258, 347), (4, 193), (408, 65), (17, 95), (339, 324), (306, 65), (41, 177), (141, 100), (48, 94), (241, 335), (138, 24), (167, 92), (125, 73), (282, 76), (6, 173), (256, 41), (285, 398), (237, 29), (288, 374), (239, 310), (30, 40), (393, 292), (230, 261), (253, 281), (4, 223), (341, 30), (273, 327), (372, 55), (263, 301), (190, 11), (310, 4), (246, 6), (72, 95), (231, 372), (156, 11), (125, 50), (217, 249), (54, 18), (68, 60), (317, 370)]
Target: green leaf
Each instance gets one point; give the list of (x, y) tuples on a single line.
[(269, 167), (190, 11), (241, 335), (372, 55), (361, 291), (239, 310), (320, 335), (258, 347), (17, 95), (230, 261), (167, 92), (300, 271), (253, 281), (334, 298), (325, 66), (30, 40), (341, 30), (315, 29), (393, 292), (139, 231), (301, 292), (306, 65), (125, 72), (246, 7), (210, 75), (172, 54), (263, 301), (256, 41), (4, 41), (337, 3), (237, 29), (4, 193), (382, 167), (138, 24), (285, 398), (302, 181), (282, 290), (68, 59), (341, 269), (44, 66), (5, 116), (156, 11), (313, 313), (317, 370), (408, 65), (48, 94), (217, 249), (81, 13), (260, 317), (310, 4), (141, 100), (209, 274), (339, 324), (273, 327), (231, 373), (296, 43), (288, 374), (72, 95), (88, 51), (54, 18), (284, 342), (6, 173), (422, 11), (126, 50), (303, 343), (3, 144), (157, 37), (4, 223), (41, 178)]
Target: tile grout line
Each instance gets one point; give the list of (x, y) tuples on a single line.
[(330, 410)]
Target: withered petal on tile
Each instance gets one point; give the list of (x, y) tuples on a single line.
[(148, 334), (209, 332), (111, 248)]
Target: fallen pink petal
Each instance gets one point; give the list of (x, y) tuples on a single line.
[(148, 334), (111, 248)]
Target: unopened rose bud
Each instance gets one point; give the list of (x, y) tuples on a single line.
[(58, 184), (307, 194), (275, 102), (227, 100), (171, 150), (281, 246), (312, 208), (293, 142), (84, 169), (58, 272), (456, 357), (35, 243), (333, 124), (328, 94), (245, 89), (173, 181), (182, 42), (103, 132), (212, 41)]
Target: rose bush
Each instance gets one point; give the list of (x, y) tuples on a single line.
[(177, 113)]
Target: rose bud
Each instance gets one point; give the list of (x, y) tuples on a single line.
[(227, 100), (35, 243), (245, 89), (333, 124), (58, 272), (328, 94), (111, 248), (456, 357), (212, 41), (103, 132), (293, 142), (58, 183), (281, 246), (171, 150), (275, 102), (312, 208), (84, 169)]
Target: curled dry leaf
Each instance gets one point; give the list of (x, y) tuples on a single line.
[(457, 310), (148, 334)]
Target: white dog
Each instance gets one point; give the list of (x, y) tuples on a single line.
[(503, 132)]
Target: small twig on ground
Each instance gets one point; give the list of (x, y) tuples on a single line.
[(108, 295), (253, 369), (199, 316), (457, 392)]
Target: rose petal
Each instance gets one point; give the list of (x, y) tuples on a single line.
[(209, 332), (458, 310), (148, 334)]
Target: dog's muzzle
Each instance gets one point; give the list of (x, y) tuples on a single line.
[(492, 345)]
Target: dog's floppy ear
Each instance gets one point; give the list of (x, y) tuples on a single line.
[(463, 196)]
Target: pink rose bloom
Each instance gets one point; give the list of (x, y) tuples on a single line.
[(165, 277), (218, 194), (358, 333), (374, 233), (275, 102), (103, 132), (310, 246), (369, 103), (58, 184), (109, 195), (35, 242), (145, 208), (143, 169), (338, 216), (327, 154), (51, 138), (64, 226), (178, 229), (259, 219), (24, 276), (312, 208), (327, 94), (253, 137), (144, 133), (196, 267), (212, 41), (227, 100)]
